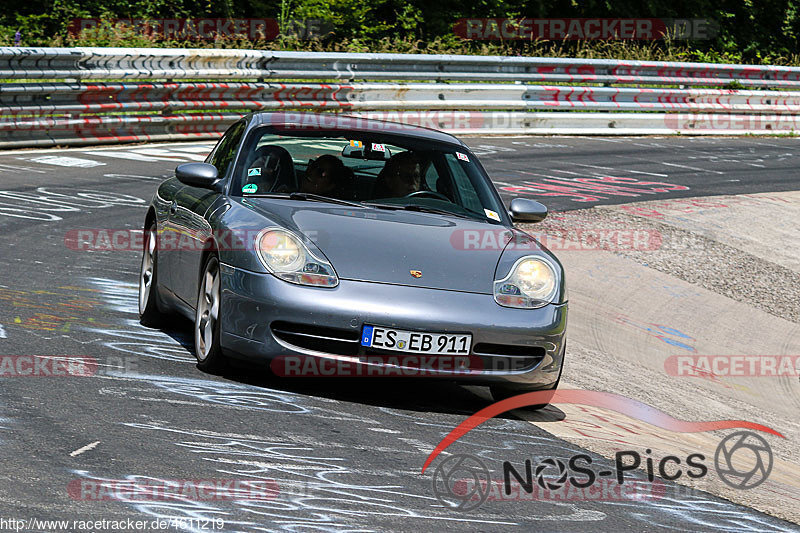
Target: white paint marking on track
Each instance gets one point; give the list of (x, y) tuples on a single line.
[(169, 155), (600, 139), (2, 332), (199, 149), (383, 430), (568, 172), (128, 155), (78, 149), (15, 168), (86, 448), (690, 168), (69, 358), (623, 170), (134, 176), (63, 161)]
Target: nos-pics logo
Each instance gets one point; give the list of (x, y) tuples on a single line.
[(743, 460)]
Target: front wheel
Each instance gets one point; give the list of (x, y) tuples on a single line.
[(206, 323), (149, 314)]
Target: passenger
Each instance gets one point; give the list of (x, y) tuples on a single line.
[(324, 176), (401, 176)]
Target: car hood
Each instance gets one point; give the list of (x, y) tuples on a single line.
[(378, 245)]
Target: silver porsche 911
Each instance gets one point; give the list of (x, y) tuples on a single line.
[(354, 244)]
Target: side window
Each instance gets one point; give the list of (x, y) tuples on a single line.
[(223, 154), (466, 191)]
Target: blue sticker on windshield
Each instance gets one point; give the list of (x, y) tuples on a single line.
[(250, 188), (253, 172), (366, 336)]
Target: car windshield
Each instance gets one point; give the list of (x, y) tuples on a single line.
[(378, 170)]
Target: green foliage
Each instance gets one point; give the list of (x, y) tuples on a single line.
[(750, 31)]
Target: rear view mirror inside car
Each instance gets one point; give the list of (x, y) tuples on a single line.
[(366, 150)]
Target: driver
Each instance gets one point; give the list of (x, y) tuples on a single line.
[(401, 176), (324, 175)]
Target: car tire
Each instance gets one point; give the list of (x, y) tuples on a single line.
[(500, 392), (206, 323), (150, 314)]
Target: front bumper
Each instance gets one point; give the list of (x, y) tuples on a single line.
[(522, 347)]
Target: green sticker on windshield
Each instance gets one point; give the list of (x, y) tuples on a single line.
[(250, 188)]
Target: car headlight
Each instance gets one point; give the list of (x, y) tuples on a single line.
[(285, 256), (532, 283)]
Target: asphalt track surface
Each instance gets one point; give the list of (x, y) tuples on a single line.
[(344, 456)]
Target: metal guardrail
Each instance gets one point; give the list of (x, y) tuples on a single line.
[(77, 99), (75, 109), (227, 64)]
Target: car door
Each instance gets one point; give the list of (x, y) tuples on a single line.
[(166, 257), (189, 218)]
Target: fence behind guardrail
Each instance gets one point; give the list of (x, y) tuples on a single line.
[(67, 96)]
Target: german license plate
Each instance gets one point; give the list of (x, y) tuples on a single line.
[(415, 341)]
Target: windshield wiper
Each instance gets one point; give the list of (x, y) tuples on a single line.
[(304, 196), (416, 207), (320, 198)]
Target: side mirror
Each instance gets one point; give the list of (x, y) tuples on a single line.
[(197, 175), (526, 210)]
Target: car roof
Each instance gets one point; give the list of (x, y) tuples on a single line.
[(345, 124)]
